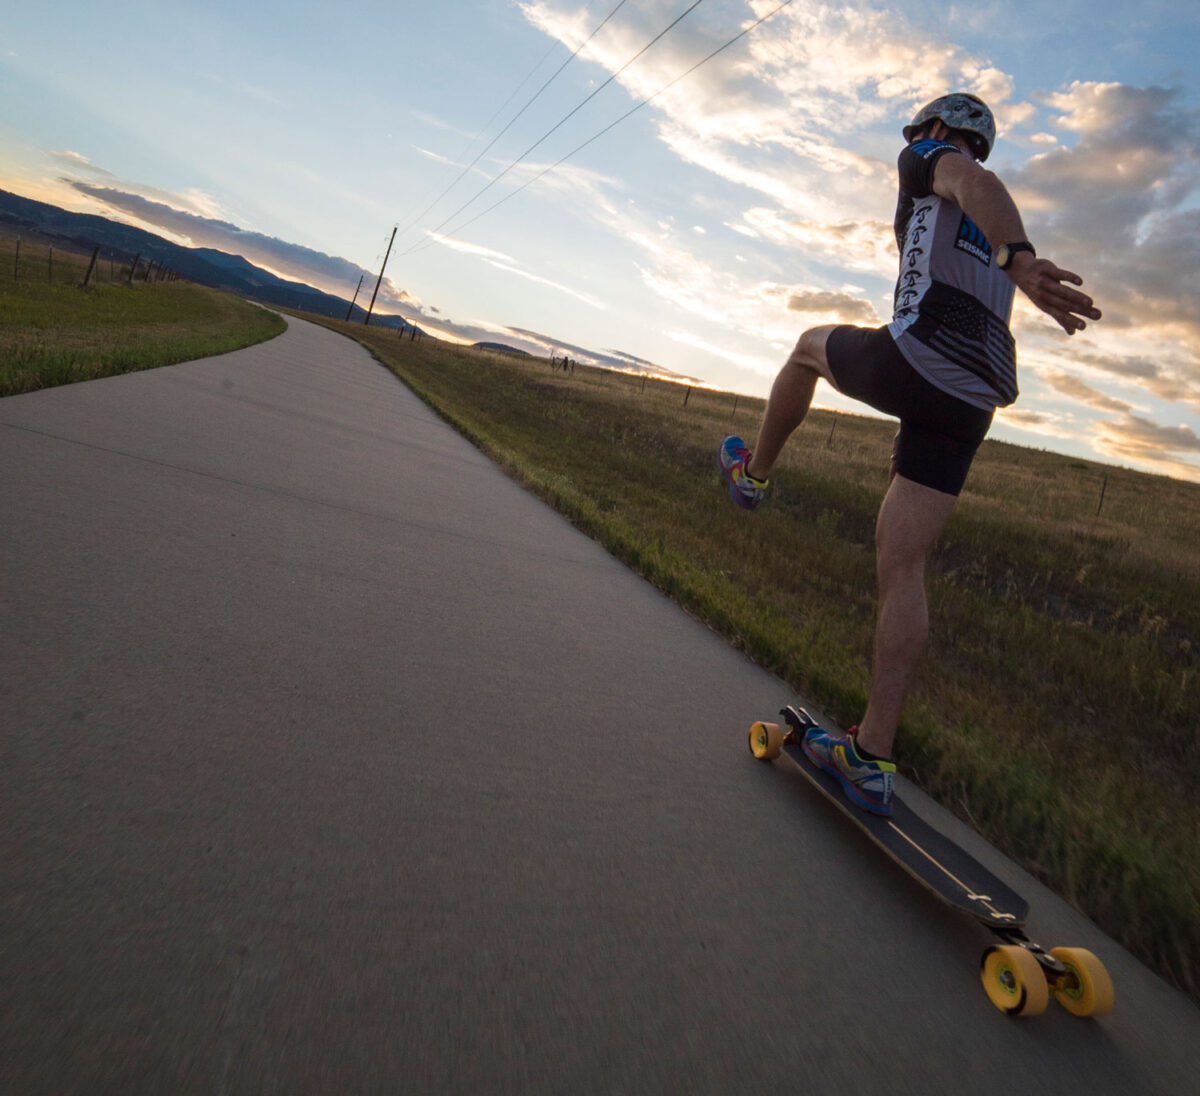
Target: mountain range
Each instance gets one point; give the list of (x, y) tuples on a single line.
[(202, 265)]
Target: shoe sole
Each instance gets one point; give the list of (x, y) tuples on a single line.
[(849, 788)]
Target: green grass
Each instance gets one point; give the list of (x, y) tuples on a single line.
[(1059, 707), (55, 332)]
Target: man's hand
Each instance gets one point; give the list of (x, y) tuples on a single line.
[(1042, 282)]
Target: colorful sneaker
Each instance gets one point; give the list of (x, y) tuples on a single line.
[(867, 784), (747, 491)]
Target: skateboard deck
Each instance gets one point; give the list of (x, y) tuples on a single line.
[(927, 854), (1018, 975)]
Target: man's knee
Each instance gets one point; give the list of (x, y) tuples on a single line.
[(898, 558), (810, 352)]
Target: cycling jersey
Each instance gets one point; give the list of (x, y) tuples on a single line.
[(952, 303)]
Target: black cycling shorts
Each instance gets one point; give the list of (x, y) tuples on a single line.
[(938, 433)]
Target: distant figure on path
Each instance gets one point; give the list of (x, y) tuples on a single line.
[(942, 366)]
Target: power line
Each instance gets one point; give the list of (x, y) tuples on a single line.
[(611, 125), (488, 125), (479, 194), (513, 119)]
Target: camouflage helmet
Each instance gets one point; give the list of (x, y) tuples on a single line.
[(963, 111)]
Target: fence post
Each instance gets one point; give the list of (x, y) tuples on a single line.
[(687, 396), (829, 440), (50, 267), (133, 268), (91, 266), (735, 403), (1103, 488), (17, 262)]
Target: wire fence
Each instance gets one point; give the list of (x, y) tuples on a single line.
[(33, 261)]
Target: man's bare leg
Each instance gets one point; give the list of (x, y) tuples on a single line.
[(910, 520), (791, 397)]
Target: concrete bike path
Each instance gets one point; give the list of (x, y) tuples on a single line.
[(333, 761)]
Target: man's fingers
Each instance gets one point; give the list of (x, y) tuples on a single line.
[(1070, 324), (1055, 293), (1060, 275), (1071, 301), (1047, 286), (1068, 314)]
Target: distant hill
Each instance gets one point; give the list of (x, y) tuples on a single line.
[(202, 265), (501, 348)]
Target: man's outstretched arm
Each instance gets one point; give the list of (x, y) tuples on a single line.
[(984, 198)]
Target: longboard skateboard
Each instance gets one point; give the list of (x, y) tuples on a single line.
[(1018, 975)]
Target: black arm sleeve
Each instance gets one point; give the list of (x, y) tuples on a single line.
[(916, 164)]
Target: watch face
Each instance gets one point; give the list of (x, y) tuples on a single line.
[(1005, 253)]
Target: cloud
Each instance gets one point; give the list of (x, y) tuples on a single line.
[(75, 161), (436, 156), (842, 306), (1077, 389), (440, 123), (1030, 418), (1117, 205), (509, 265), (834, 60), (1139, 431), (469, 248), (1141, 441), (593, 302), (1042, 424), (774, 113), (1170, 376), (755, 309), (865, 245), (752, 363)]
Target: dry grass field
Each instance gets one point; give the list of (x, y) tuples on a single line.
[(53, 331)]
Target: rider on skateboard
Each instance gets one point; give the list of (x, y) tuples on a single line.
[(942, 366)]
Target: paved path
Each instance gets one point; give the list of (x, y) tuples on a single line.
[(332, 761)]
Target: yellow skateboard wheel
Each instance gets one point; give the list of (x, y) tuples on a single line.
[(766, 741), (1087, 989), (1014, 981)]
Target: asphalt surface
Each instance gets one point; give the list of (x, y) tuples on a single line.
[(332, 761)]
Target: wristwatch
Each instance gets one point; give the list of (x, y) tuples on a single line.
[(1005, 253)]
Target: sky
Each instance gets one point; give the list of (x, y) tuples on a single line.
[(747, 200)]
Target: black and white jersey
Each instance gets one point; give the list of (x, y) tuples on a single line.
[(952, 303)]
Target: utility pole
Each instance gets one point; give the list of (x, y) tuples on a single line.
[(354, 298), (378, 280)]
